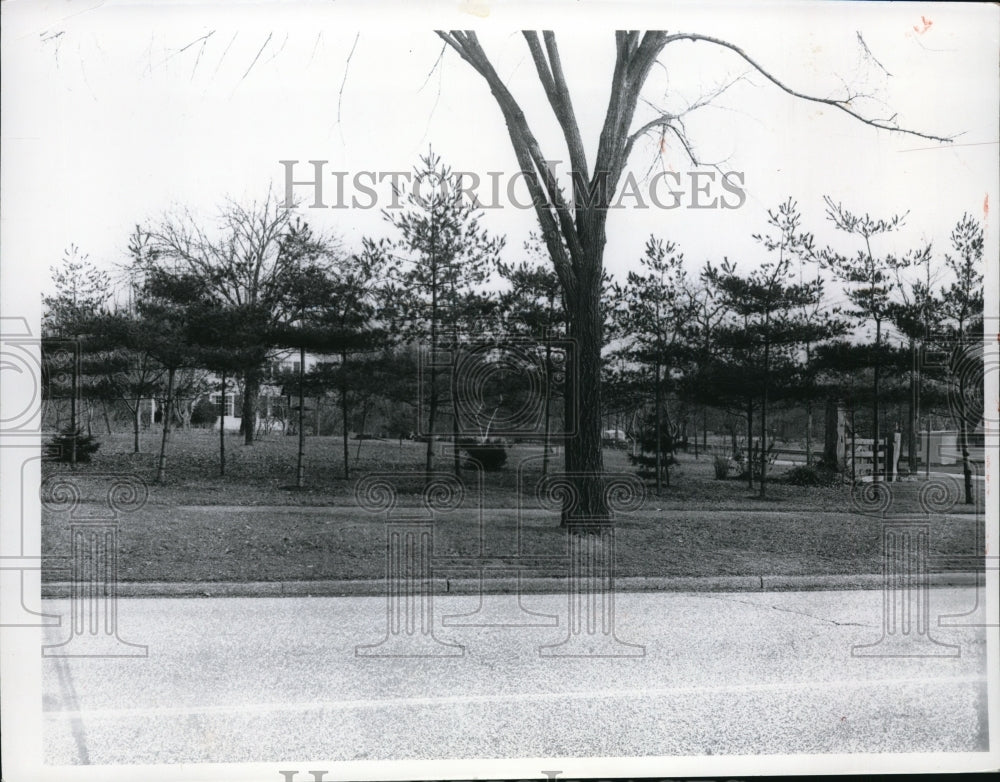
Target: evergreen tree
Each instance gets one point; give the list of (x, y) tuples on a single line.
[(437, 266), (653, 313), (962, 310), (870, 283), (770, 309)]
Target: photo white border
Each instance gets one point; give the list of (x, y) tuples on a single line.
[(20, 662)]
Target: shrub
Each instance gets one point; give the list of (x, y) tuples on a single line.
[(205, 412), (60, 447), (646, 464), (809, 476), (822, 466), (492, 455), (649, 461)]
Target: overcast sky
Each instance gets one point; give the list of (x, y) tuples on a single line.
[(114, 112)]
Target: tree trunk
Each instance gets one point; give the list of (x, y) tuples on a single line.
[(911, 417), (136, 423), (161, 468), (854, 449), (107, 420), (657, 425), (809, 428), (694, 428), (875, 419), (222, 427), (364, 420), (548, 407), (830, 434), (344, 414), (763, 423), (583, 456), (251, 390), (672, 433), (457, 461), (963, 441), (431, 414), (72, 416), (809, 407), (763, 446), (300, 466), (750, 443)]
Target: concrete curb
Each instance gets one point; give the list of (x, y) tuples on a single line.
[(508, 585)]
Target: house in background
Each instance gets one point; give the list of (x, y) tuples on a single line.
[(272, 405)]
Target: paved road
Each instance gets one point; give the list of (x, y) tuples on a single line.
[(273, 679)]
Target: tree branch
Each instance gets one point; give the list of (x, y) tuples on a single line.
[(842, 105), (567, 116), (530, 158)]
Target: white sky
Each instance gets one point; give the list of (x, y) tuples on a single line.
[(109, 120)]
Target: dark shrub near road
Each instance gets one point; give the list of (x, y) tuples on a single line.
[(810, 476), (491, 455)]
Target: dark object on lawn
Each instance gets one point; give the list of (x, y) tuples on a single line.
[(809, 476), (721, 465), (60, 447), (492, 455), (822, 466), (365, 436), (205, 413), (647, 463)]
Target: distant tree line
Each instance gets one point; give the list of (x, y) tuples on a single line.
[(204, 308)]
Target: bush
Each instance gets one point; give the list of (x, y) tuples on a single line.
[(205, 412), (822, 466), (809, 476), (492, 455), (649, 462), (60, 447), (721, 465)]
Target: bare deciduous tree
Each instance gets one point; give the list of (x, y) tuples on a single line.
[(574, 228), (247, 264)]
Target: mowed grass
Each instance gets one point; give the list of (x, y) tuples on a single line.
[(264, 474), (248, 544), (248, 526)]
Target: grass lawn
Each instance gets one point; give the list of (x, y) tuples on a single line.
[(261, 474), (245, 526), (211, 544)]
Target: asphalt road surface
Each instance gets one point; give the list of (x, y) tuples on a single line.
[(272, 679)]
